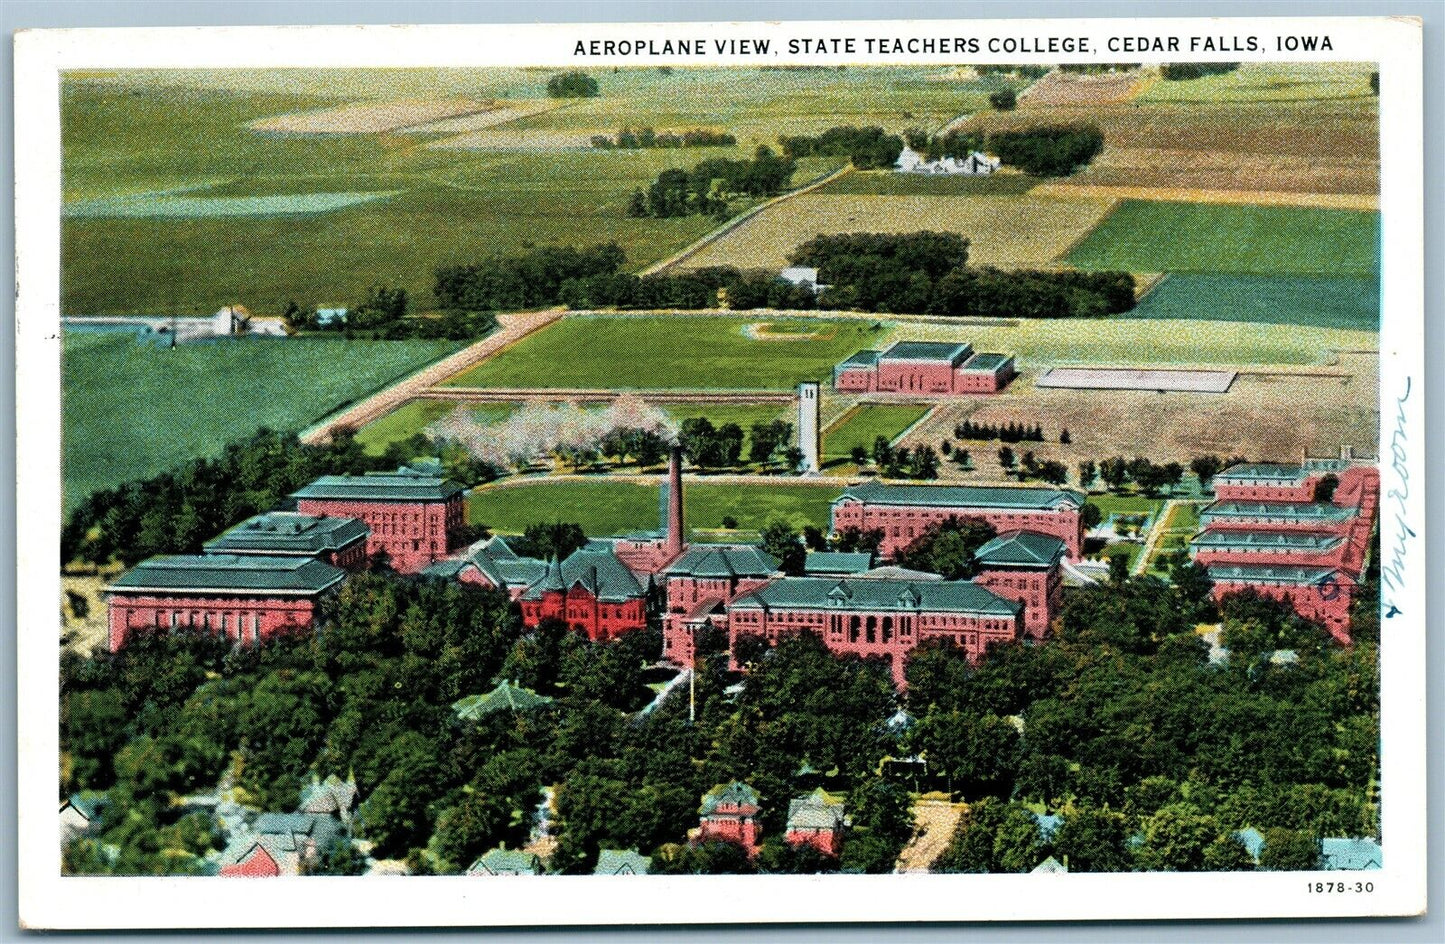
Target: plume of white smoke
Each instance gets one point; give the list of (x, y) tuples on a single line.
[(537, 430)]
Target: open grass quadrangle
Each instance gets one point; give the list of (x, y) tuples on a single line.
[(132, 409), (864, 424)]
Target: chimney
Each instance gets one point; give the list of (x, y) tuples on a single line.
[(674, 502)]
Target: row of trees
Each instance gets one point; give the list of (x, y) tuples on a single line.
[(1011, 432), (641, 138), (1183, 71), (710, 186), (532, 279), (866, 147), (927, 273), (385, 313), (1041, 151)]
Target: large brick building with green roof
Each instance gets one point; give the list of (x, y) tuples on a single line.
[(340, 542), (924, 367), (414, 516), (903, 512), (247, 598)]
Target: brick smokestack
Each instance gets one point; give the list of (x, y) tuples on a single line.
[(674, 502)]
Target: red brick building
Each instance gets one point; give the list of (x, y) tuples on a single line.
[(903, 512), (340, 542), (699, 586), (1027, 568), (246, 598), (816, 820), (1272, 481), (1319, 594), (413, 517), (729, 813), (592, 592), (926, 368), (885, 617)]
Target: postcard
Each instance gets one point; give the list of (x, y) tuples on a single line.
[(854, 471)]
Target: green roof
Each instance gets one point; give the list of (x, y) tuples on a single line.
[(1272, 471), (505, 697), (928, 351), (286, 532), (506, 862), (1274, 574), (735, 793), (1021, 549), (1309, 542), (964, 496), (240, 575), (622, 862), (1293, 511), (945, 596), (989, 363), (402, 485), (723, 560), (860, 359), (837, 562), (600, 572)]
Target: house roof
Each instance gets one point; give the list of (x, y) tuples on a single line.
[(1049, 824), (989, 362), (808, 593), (817, 810), (1307, 542), (964, 496), (599, 572), (894, 572), (1272, 471), (860, 359), (797, 274), (286, 532), (1273, 574), (240, 575), (408, 485), (1050, 866), (331, 795), (506, 862), (1290, 511), (1337, 853), (723, 560), (735, 793), (954, 353), (87, 803), (505, 697), (622, 862), (1251, 839), (1021, 549), (837, 562)]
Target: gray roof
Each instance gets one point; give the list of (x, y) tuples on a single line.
[(403, 485), (1270, 574), (817, 810), (286, 532), (506, 862), (987, 362), (622, 862), (808, 593), (837, 562), (239, 575), (1269, 471), (1306, 542), (601, 573), (1338, 853), (1292, 511), (1026, 549), (735, 793), (860, 359), (954, 353), (964, 496), (723, 560)]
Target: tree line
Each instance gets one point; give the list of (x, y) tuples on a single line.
[(629, 139), (711, 185), (867, 148), (1183, 71)]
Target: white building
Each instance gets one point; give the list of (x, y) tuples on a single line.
[(976, 164)]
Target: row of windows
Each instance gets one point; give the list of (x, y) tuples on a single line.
[(206, 620)]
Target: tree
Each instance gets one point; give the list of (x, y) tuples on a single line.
[(882, 452), (1064, 437), (766, 438), (574, 84), (858, 455), (1175, 839), (1118, 569), (947, 547), (551, 539), (1090, 515), (1325, 488), (1088, 470), (781, 540), (1093, 839), (1006, 458), (1003, 99), (1289, 850), (1205, 468)]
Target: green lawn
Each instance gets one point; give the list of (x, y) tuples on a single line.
[(866, 423), (667, 353), (1315, 301), (1155, 236), (1269, 82), (605, 507), (1185, 517), (1126, 505), (132, 409)]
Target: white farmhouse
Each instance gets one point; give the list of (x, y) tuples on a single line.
[(976, 164)]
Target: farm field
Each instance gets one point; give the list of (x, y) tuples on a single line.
[(866, 423), (132, 409), (1150, 236), (1008, 231), (1315, 301), (1270, 82), (607, 507), (662, 353)]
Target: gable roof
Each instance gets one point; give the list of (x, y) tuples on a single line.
[(736, 793), (1273, 574), (964, 496), (287, 532), (1290, 511), (879, 594), (1264, 471), (506, 862), (403, 485), (1338, 853), (622, 862), (241, 575), (1306, 542), (817, 810), (599, 572), (1021, 549), (723, 560), (1251, 839), (1050, 866), (837, 562)]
